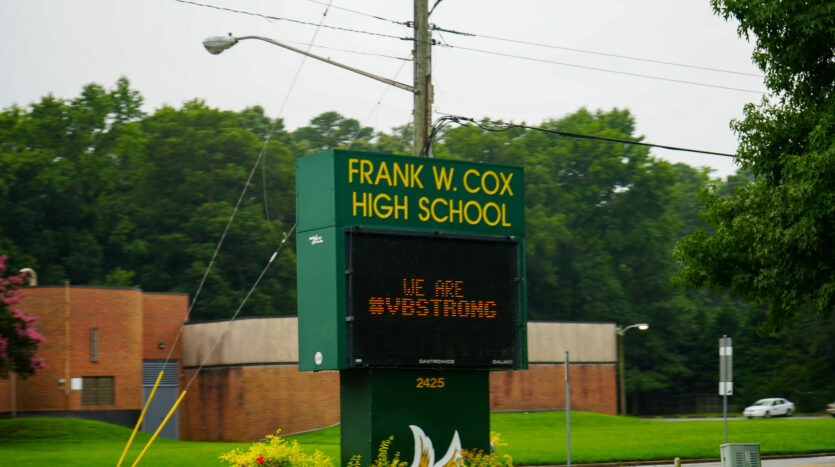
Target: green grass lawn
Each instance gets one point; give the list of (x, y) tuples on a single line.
[(540, 438), (533, 438), (74, 442)]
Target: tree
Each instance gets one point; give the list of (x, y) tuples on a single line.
[(771, 241), (330, 130), (18, 338), (601, 222)]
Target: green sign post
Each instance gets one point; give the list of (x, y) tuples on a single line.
[(411, 283)]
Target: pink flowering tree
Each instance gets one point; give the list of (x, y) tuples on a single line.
[(18, 338)]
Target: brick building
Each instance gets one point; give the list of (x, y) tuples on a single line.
[(248, 384), (98, 343)]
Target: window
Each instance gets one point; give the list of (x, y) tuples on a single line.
[(94, 345), (97, 390)]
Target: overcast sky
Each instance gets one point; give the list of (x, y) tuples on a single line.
[(58, 46)]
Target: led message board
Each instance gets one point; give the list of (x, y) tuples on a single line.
[(409, 262), (432, 301)]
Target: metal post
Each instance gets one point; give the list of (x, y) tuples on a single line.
[(725, 376), (725, 415), (568, 409), (422, 78), (14, 394), (621, 375), (67, 344)]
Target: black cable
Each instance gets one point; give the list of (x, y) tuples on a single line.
[(434, 27), (605, 54), (402, 23), (607, 70), (277, 18), (501, 126), (538, 44), (433, 7)]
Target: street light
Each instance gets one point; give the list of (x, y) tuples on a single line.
[(217, 44), (423, 99), (621, 366)]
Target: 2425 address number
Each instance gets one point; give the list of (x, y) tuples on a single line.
[(430, 383)]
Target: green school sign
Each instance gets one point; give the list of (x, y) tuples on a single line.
[(353, 188), (411, 282)]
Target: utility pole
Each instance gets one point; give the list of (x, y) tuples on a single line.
[(423, 77)]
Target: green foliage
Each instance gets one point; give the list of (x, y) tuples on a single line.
[(331, 130), (382, 459), (96, 192), (99, 193), (770, 241), (18, 338), (73, 442), (275, 452), (532, 437), (478, 458)]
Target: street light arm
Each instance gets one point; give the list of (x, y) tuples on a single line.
[(390, 82), (640, 326)]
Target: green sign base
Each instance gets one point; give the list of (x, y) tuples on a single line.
[(433, 409)]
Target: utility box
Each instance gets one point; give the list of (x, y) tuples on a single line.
[(740, 455)]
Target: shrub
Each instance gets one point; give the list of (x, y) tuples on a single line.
[(275, 451)]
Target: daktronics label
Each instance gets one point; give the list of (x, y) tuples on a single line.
[(432, 301)]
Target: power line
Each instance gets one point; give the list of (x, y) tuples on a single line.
[(369, 15), (434, 6), (550, 46), (284, 104), (605, 54), (261, 156), (489, 125), (606, 70), (435, 28), (337, 49), (374, 108), (241, 306), (277, 18)]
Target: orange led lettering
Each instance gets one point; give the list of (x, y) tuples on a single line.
[(376, 305), (413, 287), (407, 306)]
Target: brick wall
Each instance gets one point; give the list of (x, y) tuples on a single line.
[(116, 313), (542, 387), (248, 402), (130, 325), (244, 403), (163, 314)]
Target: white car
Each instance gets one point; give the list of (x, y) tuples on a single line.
[(769, 408)]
